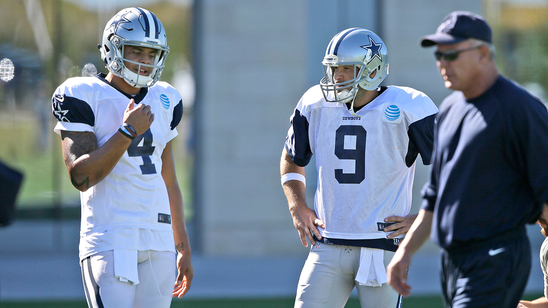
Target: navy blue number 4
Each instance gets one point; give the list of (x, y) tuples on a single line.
[(144, 150)]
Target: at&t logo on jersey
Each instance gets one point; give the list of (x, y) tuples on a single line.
[(391, 113), (165, 101)]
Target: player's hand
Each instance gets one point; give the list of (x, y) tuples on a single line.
[(306, 222), (185, 273), (401, 226), (397, 272), (140, 116)]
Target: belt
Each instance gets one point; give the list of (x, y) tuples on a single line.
[(378, 243)]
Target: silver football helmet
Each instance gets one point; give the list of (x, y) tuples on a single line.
[(137, 27), (362, 49)]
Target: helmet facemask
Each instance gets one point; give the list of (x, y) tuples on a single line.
[(346, 91), (155, 69), (342, 92)]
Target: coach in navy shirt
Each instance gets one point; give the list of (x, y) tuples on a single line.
[(489, 174)]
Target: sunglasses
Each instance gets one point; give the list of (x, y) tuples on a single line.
[(452, 55)]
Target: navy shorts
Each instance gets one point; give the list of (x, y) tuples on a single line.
[(494, 275)]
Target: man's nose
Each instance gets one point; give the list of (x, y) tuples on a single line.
[(337, 75), (145, 59)]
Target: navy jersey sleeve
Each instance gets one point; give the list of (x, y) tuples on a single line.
[(71, 109), (177, 115), (421, 138), (429, 191), (297, 143)]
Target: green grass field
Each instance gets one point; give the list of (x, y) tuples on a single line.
[(411, 302)]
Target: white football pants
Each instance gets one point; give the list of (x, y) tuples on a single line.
[(328, 278), (156, 272)]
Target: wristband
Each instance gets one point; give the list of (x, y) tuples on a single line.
[(293, 176), (131, 130), (124, 132)]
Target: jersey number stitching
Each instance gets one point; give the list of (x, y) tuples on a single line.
[(357, 154), (145, 151)]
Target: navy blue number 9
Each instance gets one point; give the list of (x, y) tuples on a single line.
[(357, 154)]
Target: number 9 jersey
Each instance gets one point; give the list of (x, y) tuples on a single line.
[(365, 161), (130, 208)]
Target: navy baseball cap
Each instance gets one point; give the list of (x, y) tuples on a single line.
[(459, 26)]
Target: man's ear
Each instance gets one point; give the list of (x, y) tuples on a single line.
[(485, 52)]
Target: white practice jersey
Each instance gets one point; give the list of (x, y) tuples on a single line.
[(544, 264), (129, 209), (365, 163)]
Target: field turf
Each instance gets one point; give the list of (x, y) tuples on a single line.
[(410, 302)]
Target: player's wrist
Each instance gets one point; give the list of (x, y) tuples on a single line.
[(130, 129), (127, 132)]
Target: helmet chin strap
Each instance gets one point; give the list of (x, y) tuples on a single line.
[(351, 110)]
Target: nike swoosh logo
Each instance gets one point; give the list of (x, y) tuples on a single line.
[(494, 252)]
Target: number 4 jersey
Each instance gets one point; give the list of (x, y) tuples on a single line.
[(365, 162), (129, 209)]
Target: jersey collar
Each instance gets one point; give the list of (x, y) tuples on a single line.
[(137, 98)]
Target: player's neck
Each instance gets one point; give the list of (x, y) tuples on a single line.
[(122, 85), (364, 97)]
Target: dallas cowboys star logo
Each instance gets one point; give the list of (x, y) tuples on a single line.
[(375, 49), (119, 21), (59, 113)]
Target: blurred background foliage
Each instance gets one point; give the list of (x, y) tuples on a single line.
[(520, 30), (51, 40)]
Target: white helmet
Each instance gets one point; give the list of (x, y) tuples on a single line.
[(362, 49), (136, 27)]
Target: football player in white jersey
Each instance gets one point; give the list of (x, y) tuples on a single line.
[(116, 132), (541, 302), (365, 139)]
